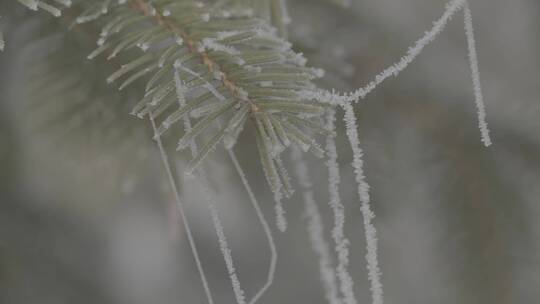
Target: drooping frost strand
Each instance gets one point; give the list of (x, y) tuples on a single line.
[(438, 26), (394, 70), (316, 229), (225, 250), (475, 74), (338, 210), (374, 273), (265, 225), (176, 193)]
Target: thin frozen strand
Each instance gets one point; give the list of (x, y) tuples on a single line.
[(227, 256), (265, 225), (223, 244), (225, 250), (316, 230), (394, 70), (341, 242), (475, 73), (438, 26), (182, 214), (281, 220), (374, 273)]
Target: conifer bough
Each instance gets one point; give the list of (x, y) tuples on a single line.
[(223, 57), (226, 65)]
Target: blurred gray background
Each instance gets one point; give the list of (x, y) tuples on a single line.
[(458, 223)]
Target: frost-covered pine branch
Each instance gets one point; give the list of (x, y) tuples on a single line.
[(225, 67), (281, 221), (226, 53)]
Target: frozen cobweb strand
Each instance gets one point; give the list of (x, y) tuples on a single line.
[(413, 52), (374, 273), (226, 252), (176, 194), (316, 230), (224, 246), (265, 225), (394, 70), (475, 74), (338, 210)]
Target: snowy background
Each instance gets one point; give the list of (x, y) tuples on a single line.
[(457, 222)]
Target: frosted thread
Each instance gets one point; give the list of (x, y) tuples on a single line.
[(264, 224), (223, 244), (338, 210), (374, 273), (316, 230), (191, 240), (475, 74), (438, 26)]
